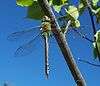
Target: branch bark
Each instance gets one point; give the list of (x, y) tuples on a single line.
[(62, 44)]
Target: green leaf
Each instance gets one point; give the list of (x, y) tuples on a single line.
[(94, 2), (75, 24), (84, 2), (24, 2), (57, 8), (81, 8), (95, 51), (50, 0), (96, 45), (98, 49), (98, 17), (73, 12), (59, 2), (97, 35), (34, 11)]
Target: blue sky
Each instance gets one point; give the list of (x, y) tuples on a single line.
[(29, 70)]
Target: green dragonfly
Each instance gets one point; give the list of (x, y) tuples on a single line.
[(44, 32)]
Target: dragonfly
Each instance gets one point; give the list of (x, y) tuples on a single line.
[(44, 32)]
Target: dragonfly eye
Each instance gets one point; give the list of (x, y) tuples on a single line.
[(46, 19)]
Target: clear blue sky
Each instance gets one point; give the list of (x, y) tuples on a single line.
[(29, 70)]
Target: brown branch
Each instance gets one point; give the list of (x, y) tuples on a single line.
[(62, 44)]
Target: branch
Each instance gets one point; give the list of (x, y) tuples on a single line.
[(87, 62), (62, 44), (91, 16), (92, 20)]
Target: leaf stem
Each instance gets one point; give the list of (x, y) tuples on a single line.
[(87, 62)]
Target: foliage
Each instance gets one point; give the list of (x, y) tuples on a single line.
[(96, 45), (24, 2), (94, 2), (58, 2), (34, 11), (73, 14)]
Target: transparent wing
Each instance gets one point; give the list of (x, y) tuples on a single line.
[(84, 32), (28, 48), (25, 34)]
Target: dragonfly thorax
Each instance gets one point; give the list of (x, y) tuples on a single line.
[(46, 26)]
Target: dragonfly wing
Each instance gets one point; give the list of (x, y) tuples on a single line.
[(25, 34), (77, 33), (27, 48)]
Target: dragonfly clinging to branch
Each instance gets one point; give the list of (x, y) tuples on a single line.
[(44, 32)]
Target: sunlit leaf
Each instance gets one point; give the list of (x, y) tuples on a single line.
[(94, 2), (98, 17), (84, 2), (81, 8), (59, 2), (77, 23), (34, 11), (97, 35), (95, 51), (57, 8), (73, 12), (24, 2), (96, 45)]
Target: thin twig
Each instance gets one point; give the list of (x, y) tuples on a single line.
[(87, 62), (82, 35)]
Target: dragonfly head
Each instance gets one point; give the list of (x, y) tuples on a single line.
[(45, 19)]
